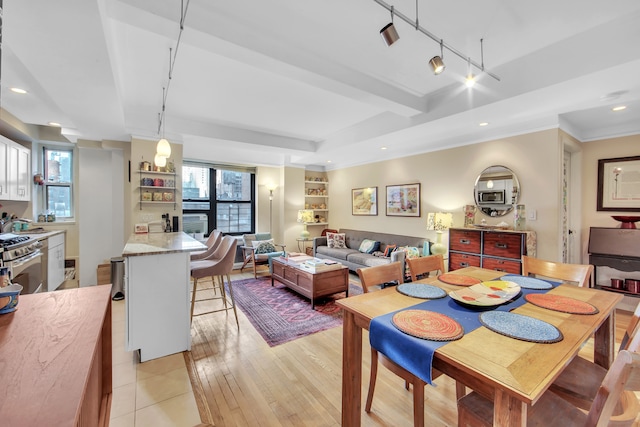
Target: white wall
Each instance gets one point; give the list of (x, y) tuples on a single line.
[(447, 180), (100, 212)]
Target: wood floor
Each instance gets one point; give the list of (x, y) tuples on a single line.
[(244, 382)]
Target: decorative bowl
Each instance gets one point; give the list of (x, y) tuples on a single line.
[(627, 221), (12, 292)]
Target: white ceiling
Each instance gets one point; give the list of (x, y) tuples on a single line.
[(301, 83)]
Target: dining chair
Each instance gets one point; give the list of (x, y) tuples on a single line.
[(255, 253), (218, 265), (615, 395), (579, 273), (371, 277), (425, 265), (212, 243), (579, 381)]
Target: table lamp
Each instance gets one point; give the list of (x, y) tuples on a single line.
[(439, 221), (305, 216)]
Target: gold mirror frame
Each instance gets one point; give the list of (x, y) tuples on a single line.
[(497, 181)]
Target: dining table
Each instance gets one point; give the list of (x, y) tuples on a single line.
[(514, 373)]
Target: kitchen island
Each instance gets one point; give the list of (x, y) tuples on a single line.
[(157, 293)]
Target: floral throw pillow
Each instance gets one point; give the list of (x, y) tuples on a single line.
[(336, 240)]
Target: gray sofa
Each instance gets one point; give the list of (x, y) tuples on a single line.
[(354, 259)]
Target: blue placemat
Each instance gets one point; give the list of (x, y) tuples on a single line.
[(416, 354), (527, 282), (518, 326), (421, 290)]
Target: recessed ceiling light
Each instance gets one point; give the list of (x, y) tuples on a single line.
[(383, 148), (18, 90), (58, 125), (619, 108), (483, 124), (328, 161)]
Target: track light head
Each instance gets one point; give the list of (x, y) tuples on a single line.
[(437, 65), (389, 34), (470, 81)]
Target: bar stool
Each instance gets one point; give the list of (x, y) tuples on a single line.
[(218, 264), (212, 243)]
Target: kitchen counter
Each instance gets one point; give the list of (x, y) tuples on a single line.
[(157, 275), (160, 243)]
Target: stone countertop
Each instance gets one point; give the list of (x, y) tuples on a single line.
[(161, 243), (38, 233)]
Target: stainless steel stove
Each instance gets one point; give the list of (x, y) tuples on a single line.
[(23, 257)]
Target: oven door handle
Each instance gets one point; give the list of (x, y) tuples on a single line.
[(26, 259)]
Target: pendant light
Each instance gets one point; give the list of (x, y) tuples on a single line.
[(470, 81), (163, 148)]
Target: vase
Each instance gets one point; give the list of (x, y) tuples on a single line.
[(469, 215), (438, 248), (519, 218)]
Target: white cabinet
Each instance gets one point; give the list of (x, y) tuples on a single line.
[(15, 179), (55, 262)]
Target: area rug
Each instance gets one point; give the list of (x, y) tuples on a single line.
[(281, 315)]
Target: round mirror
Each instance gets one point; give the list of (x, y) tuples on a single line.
[(497, 191)]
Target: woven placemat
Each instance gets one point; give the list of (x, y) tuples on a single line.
[(458, 279), (526, 282), (561, 303), (520, 327), (427, 325), (421, 290)]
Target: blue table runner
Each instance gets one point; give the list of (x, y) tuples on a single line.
[(416, 354)]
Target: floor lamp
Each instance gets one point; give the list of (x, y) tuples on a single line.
[(271, 187)]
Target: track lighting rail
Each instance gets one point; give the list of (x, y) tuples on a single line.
[(435, 38)]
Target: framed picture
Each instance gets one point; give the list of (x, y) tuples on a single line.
[(364, 201), (141, 228), (403, 200), (619, 184)]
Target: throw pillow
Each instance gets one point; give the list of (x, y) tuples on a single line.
[(411, 251), (369, 246), (389, 249), (256, 243), (265, 247), (336, 240)]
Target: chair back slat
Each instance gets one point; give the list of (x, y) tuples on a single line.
[(578, 273), (380, 274), (425, 265)]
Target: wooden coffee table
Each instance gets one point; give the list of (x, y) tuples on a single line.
[(310, 285)]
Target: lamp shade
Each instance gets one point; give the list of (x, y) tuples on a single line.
[(305, 216), (439, 221), (163, 148)]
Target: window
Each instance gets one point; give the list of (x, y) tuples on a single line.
[(58, 182), (218, 197)]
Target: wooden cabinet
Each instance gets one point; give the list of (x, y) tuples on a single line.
[(15, 171), (615, 248), (55, 261), (316, 198), (56, 359), (499, 250)]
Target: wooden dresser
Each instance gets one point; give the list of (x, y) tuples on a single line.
[(499, 250), (55, 359)]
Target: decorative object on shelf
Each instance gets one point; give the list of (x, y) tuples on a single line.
[(305, 216), (403, 200), (364, 201), (145, 166), (439, 221), (469, 215), (627, 221), (617, 184), (425, 248), (37, 179), (520, 218)]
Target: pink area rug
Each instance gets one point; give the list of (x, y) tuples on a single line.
[(281, 315)]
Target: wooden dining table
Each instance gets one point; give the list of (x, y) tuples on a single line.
[(511, 372)]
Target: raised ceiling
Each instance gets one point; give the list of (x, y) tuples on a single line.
[(290, 82)]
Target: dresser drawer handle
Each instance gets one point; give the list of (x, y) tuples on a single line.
[(465, 241), (464, 264), (502, 245), (500, 269)]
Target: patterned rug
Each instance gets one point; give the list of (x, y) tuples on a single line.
[(281, 315)]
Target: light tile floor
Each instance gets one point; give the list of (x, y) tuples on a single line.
[(155, 393)]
